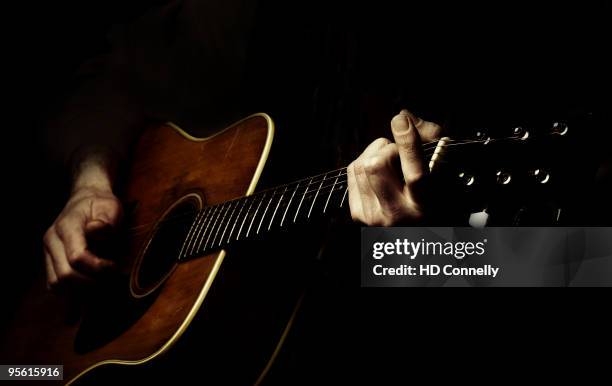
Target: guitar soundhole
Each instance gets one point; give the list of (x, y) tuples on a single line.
[(160, 256)]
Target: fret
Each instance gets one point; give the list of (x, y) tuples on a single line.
[(265, 211), (331, 191), (302, 200), (219, 225), (202, 233), (229, 205), (251, 199), (289, 204), (316, 195), (202, 221), (229, 220), (243, 200), (343, 197), (191, 233), (275, 209), (255, 215), (211, 225)]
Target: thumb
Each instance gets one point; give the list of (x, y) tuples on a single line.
[(428, 131), (105, 211), (409, 147)]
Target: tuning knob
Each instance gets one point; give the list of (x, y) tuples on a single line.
[(520, 133), (467, 179), (482, 135), (503, 178), (541, 176), (560, 128), (479, 220)]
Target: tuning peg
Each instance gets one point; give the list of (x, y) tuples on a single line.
[(467, 179), (482, 135), (560, 128), (540, 175), (503, 178), (479, 220), (520, 133)]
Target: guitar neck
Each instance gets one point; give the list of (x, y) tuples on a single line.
[(220, 225)]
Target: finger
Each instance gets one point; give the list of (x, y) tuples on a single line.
[(369, 203), (63, 270), (106, 211), (385, 181), (51, 276), (428, 131), (409, 147), (353, 194), (72, 233), (374, 147)]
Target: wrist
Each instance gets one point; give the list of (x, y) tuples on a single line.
[(94, 169)]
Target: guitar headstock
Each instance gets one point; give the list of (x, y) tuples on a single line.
[(524, 175)]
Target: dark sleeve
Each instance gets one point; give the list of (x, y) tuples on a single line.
[(179, 62)]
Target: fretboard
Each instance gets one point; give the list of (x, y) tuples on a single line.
[(248, 217)]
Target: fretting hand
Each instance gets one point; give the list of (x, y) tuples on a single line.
[(386, 181)]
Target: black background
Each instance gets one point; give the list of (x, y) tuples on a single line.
[(463, 64)]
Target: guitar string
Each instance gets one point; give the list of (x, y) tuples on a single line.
[(329, 175), (338, 185), (315, 181), (230, 237), (306, 194)]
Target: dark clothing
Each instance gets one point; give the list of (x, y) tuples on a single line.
[(335, 73), (332, 75)]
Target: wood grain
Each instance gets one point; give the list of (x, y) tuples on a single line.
[(166, 166)]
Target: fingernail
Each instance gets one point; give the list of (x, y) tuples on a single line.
[(406, 115)]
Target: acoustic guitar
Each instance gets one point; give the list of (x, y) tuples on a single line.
[(189, 200)]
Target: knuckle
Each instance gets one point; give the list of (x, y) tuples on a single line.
[(375, 164), (430, 131), (415, 177), (62, 227), (381, 141), (60, 231), (358, 167), (47, 236), (113, 207), (435, 131)]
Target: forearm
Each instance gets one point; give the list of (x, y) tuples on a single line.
[(94, 168)]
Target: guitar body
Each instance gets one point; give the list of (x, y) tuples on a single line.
[(240, 322), (232, 313)]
